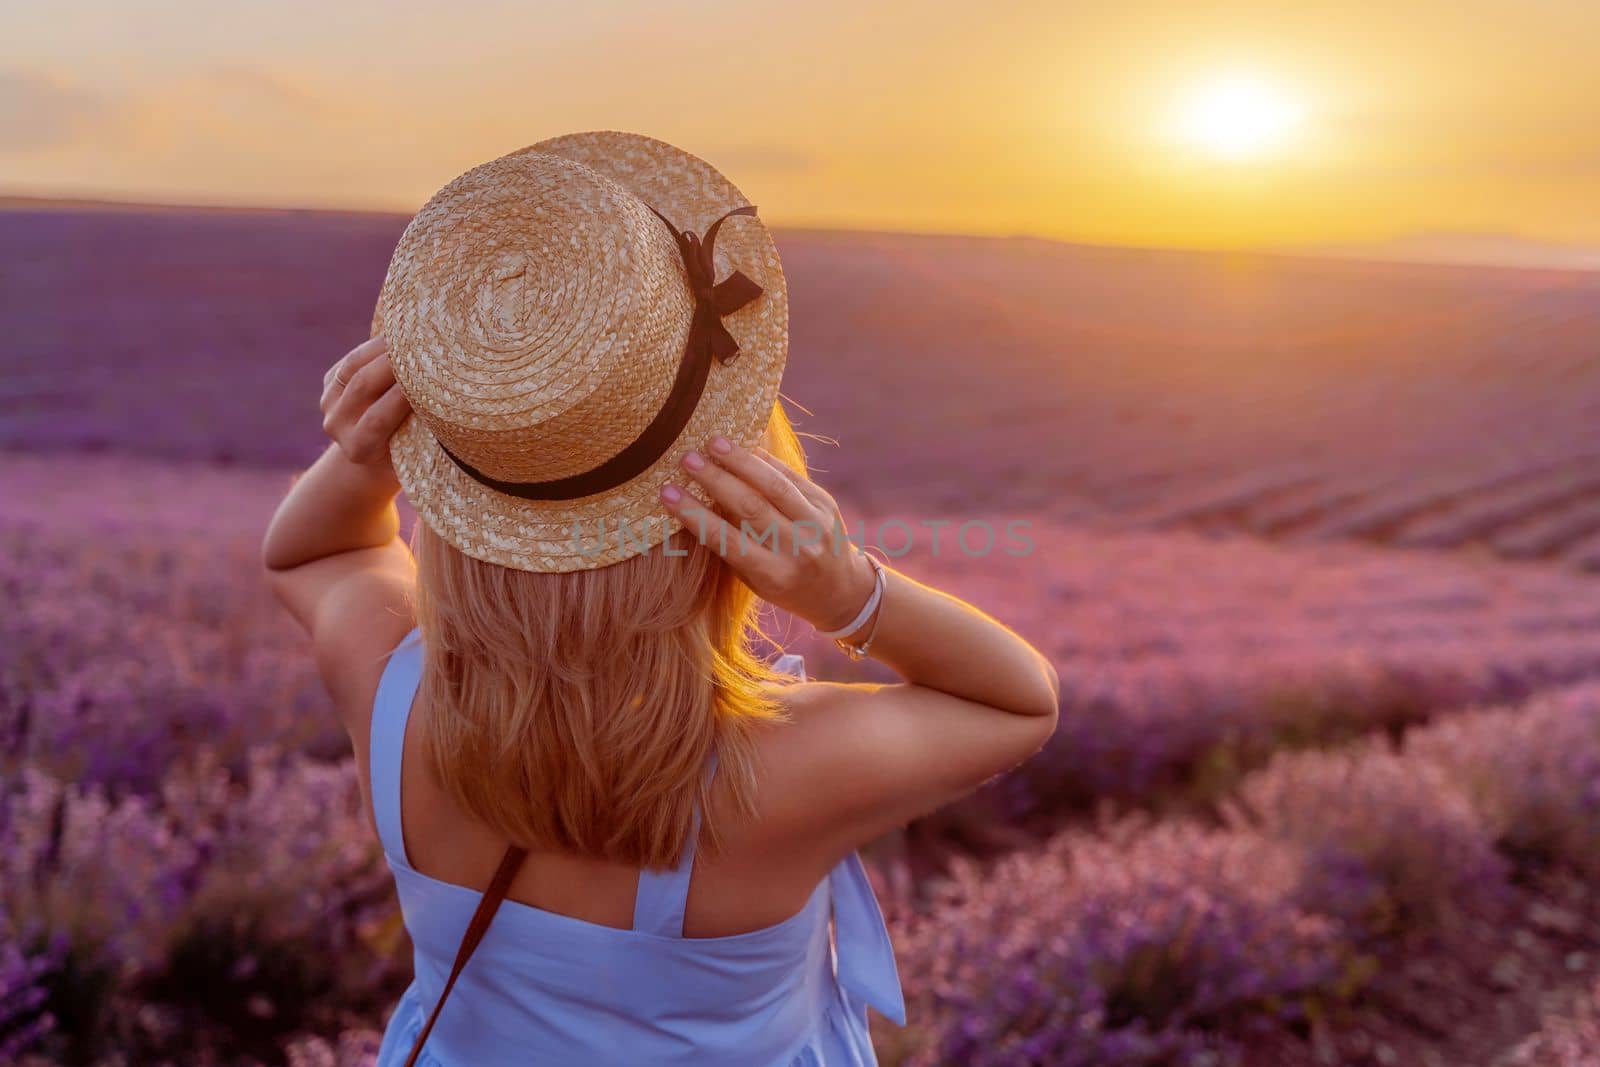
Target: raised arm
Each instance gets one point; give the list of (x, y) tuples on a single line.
[(977, 698), (332, 552)]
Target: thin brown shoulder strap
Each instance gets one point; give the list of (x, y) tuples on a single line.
[(493, 896)]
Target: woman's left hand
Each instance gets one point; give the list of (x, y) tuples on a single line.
[(789, 544), (362, 404)]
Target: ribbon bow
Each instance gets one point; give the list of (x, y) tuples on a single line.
[(712, 299)]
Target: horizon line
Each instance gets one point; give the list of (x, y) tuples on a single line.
[(1353, 252)]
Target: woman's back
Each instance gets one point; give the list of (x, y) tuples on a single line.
[(578, 984), (580, 345)]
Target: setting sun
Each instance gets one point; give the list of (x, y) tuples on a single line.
[(1238, 117)]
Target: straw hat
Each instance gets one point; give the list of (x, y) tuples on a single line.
[(538, 313)]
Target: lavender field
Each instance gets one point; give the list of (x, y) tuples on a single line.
[(1316, 552)]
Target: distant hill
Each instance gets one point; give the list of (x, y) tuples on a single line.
[(1293, 397), (69, 205), (1475, 249)]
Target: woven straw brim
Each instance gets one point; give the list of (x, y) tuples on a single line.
[(608, 527)]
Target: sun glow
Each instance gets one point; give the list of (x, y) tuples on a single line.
[(1238, 118)]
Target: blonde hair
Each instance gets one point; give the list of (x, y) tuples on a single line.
[(576, 712)]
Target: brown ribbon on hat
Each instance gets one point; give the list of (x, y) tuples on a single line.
[(708, 339)]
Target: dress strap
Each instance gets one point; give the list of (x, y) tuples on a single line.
[(662, 896), (659, 902), (791, 664), (391, 710)]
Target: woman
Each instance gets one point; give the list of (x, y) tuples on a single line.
[(579, 398)]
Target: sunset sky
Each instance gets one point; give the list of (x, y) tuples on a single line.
[(1180, 124)]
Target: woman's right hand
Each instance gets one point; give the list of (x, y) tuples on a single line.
[(362, 404), (779, 531)]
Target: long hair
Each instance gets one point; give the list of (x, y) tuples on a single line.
[(576, 712)]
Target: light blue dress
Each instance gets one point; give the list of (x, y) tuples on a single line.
[(547, 989)]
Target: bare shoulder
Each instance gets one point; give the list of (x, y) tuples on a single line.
[(851, 761), (819, 746), (811, 774), (816, 720)]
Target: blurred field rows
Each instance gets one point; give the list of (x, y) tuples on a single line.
[(1184, 659), (1302, 398)]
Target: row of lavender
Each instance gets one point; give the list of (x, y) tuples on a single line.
[(1172, 942), (1533, 505), (197, 925)]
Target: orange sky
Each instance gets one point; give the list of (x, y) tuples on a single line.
[(1055, 118)]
